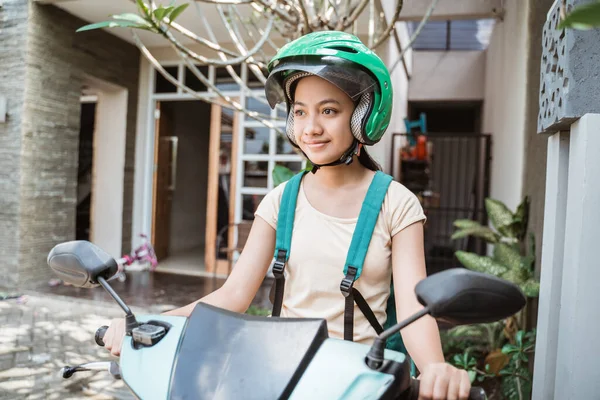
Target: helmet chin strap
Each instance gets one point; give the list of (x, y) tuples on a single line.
[(346, 158)]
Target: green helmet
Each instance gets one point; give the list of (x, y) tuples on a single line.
[(343, 60)]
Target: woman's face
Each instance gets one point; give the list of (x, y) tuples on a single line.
[(322, 115)]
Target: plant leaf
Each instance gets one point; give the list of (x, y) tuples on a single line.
[(178, 10), (159, 13), (507, 255), (281, 174), (109, 24), (479, 231), (531, 288), (132, 18), (499, 214), (584, 17), (479, 263), (466, 223), (143, 7), (472, 375)]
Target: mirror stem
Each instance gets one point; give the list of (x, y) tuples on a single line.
[(375, 355), (130, 321)]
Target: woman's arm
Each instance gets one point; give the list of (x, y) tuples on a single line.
[(439, 380), (237, 292), (241, 286), (422, 337)]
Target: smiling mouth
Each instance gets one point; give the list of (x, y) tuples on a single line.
[(316, 145)]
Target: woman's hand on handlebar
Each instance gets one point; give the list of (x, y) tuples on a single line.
[(113, 338), (443, 381)]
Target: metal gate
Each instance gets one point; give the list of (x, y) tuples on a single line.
[(452, 180)]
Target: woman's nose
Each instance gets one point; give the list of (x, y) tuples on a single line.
[(312, 126)]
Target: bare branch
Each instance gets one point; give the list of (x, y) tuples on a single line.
[(227, 2), (304, 16), (233, 33), (231, 102), (355, 13), (282, 14), (415, 34), (391, 26)]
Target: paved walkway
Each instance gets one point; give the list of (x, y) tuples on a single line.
[(42, 334)]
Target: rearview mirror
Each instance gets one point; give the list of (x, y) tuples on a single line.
[(80, 263), (460, 296)]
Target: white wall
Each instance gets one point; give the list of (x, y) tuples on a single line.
[(108, 167), (447, 75), (504, 105), (451, 9), (142, 187), (381, 151)]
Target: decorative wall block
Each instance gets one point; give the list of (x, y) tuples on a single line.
[(570, 72)]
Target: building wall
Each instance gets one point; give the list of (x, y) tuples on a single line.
[(505, 101), (389, 54), (13, 39), (534, 182), (447, 75), (53, 65)]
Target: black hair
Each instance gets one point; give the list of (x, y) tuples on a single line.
[(367, 161)]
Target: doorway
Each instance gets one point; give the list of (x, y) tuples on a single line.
[(453, 180), (191, 184), (84, 169)]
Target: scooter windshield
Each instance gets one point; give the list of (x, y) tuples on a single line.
[(225, 355)]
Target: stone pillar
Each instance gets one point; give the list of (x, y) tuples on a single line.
[(577, 374), (552, 270), (13, 35)]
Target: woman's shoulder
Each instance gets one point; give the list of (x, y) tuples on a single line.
[(398, 193), (401, 207), (268, 209)]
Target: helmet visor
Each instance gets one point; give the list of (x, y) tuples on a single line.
[(348, 78)]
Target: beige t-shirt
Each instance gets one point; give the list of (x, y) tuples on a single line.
[(318, 252)]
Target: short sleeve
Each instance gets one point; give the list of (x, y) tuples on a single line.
[(268, 209), (404, 208)]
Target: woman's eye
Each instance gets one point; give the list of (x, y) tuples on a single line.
[(329, 111), (298, 113)]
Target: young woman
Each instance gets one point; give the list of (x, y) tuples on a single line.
[(339, 98)]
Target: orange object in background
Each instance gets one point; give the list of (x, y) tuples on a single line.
[(421, 148)]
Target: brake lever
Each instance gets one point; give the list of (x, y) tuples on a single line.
[(111, 366)]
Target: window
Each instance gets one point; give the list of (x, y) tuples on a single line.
[(453, 35)]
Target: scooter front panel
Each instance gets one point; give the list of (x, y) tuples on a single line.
[(339, 371), (147, 371)]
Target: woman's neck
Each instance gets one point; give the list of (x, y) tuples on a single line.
[(333, 177)]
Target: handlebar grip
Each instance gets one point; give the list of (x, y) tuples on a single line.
[(99, 336), (476, 393)]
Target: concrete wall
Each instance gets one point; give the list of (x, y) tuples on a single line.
[(50, 69), (389, 54), (505, 100), (108, 167), (13, 40), (451, 9), (188, 215), (447, 75), (534, 182)]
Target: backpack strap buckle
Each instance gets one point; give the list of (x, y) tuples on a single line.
[(348, 281), (279, 264)]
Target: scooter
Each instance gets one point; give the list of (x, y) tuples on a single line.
[(218, 354)]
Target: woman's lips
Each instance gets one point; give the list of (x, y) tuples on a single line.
[(315, 145)]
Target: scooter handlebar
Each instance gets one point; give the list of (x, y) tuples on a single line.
[(99, 336), (476, 393)]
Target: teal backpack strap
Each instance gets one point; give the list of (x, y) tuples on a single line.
[(283, 240), (359, 246), (367, 219)]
